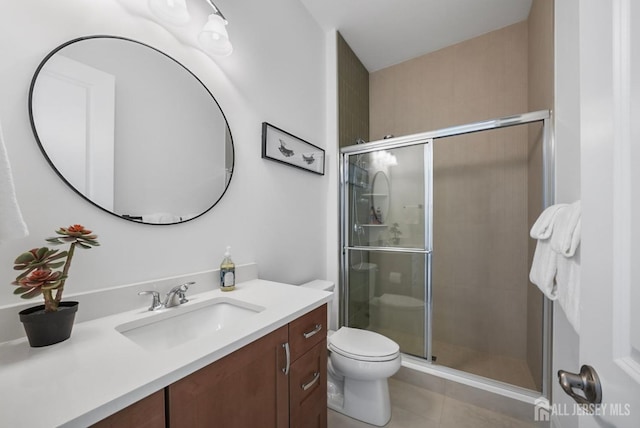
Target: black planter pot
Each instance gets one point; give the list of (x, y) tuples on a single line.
[(46, 328)]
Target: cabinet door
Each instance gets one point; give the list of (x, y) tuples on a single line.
[(244, 389), (146, 413), (308, 388)]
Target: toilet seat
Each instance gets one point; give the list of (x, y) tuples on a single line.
[(363, 345)]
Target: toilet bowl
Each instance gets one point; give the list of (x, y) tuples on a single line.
[(360, 362), (359, 365)]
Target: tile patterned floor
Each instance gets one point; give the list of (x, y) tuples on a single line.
[(414, 407)]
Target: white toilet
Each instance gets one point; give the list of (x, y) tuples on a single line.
[(360, 362)]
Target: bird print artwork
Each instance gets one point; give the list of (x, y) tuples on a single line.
[(284, 150), (308, 159)]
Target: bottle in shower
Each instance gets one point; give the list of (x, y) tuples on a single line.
[(227, 272), (379, 216)]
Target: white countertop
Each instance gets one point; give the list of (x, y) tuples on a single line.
[(99, 371)]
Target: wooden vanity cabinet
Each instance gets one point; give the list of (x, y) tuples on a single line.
[(146, 413), (252, 386)]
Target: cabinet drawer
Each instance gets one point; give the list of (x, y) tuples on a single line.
[(308, 388), (307, 331)]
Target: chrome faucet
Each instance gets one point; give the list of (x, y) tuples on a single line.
[(175, 297)]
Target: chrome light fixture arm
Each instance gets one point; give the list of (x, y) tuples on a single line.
[(213, 38), (216, 10)]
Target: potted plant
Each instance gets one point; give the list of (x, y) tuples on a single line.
[(395, 231), (51, 322)]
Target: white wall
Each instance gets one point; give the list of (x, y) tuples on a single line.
[(271, 214), (332, 166), (567, 138)]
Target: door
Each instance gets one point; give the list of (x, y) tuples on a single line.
[(387, 241), (610, 155), (74, 110)]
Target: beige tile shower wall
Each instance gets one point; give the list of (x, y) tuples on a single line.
[(541, 97), (480, 285), (353, 96), (478, 79)]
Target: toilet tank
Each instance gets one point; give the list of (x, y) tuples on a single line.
[(332, 309), (320, 284)]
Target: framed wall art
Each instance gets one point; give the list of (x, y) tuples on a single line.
[(281, 146)]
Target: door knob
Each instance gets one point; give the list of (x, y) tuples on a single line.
[(587, 381)]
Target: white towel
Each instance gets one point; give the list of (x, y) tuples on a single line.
[(12, 225), (543, 227), (568, 288), (567, 229), (556, 262), (544, 268)]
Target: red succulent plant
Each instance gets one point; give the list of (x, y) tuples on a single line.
[(38, 264)]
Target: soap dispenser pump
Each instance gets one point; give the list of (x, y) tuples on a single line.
[(227, 272)]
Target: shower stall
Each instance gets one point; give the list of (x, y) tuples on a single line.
[(435, 247)]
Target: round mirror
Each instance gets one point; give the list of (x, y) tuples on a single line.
[(131, 130), (380, 195)]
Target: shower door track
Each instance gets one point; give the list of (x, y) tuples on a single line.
[(548, 198)]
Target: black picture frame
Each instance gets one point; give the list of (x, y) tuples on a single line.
[(280, 146)]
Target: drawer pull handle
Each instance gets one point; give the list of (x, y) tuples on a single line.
[(313, 332), (287, 352), (306, 386)]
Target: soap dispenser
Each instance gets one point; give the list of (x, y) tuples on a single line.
[(227, 272)]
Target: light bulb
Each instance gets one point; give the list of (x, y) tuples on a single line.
[(214, 38), (172, 12)]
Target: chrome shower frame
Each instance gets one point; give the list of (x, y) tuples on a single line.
[(548, 198)]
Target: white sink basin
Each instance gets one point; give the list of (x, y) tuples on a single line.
[(175, 326)]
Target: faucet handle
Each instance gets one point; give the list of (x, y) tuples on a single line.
[(182, 291), (177, 295), (186, 285), (182, 295), (155, 304)]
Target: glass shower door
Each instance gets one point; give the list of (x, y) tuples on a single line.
[(387, 244)]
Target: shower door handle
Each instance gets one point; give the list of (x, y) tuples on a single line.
[(587, 381)]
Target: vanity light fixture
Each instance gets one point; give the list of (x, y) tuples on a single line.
[(213, 38), (172, 12)]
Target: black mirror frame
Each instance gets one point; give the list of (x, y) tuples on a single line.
[(44, 153)]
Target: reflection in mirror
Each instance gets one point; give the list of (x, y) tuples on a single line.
[(131, 130), (380, 195)]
